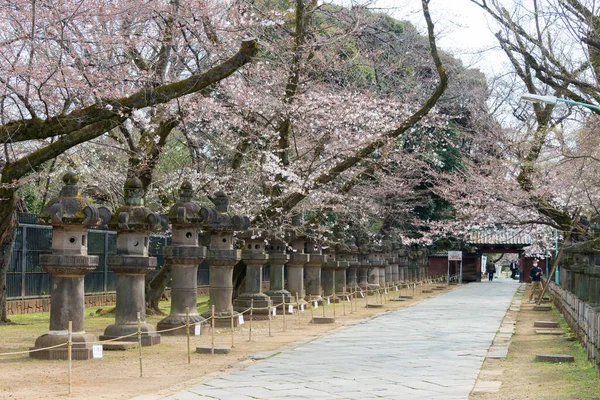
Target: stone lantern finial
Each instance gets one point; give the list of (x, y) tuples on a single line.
[(221, 201), (134, 192), (186, 192)]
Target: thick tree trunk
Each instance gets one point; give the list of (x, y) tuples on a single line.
[(8, 232), (156, 288)]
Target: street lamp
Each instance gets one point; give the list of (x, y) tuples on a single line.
[(536, 98)]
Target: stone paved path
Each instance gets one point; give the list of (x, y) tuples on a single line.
[(433, 349)]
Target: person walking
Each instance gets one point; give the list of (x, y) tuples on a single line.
[(513, 270), (491, 270), (536, 280)]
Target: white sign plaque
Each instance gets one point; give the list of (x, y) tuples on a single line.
[(97, 351)]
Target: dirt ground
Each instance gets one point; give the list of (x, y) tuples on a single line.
[(522, 377), (165, 366)]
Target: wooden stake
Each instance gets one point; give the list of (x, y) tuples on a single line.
[(251, 317), (70, 354), (139, 334), (270, 316), (187, 333), (232, 328), (212, 339), (284, 310)]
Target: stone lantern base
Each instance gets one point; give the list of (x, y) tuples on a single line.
[(174, 321), (149, 335), (259, 301), (81, 348)]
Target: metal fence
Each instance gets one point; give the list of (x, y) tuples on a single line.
[(26, 278)]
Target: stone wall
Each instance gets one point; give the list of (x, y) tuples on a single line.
[(582, 318), (29, 306)]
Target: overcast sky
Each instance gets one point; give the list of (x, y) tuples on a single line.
[(462, 28)]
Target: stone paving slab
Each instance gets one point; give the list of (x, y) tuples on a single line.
[(549, 331), (487, 386), (433, 349)]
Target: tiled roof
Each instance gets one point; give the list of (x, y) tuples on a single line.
[(500, 237)]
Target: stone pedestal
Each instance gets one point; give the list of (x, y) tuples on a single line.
[(221, 264), (350, 255), (383, 274), (298, 259), (70, 215), (340, 279), (403, 265), (389, 281), (363, 271), (67, 304), (394, 270), (184, 287), (374, 272), (312, 273), (277, 261), (295, 274), (328, 273), (254, 256), (131, 272)]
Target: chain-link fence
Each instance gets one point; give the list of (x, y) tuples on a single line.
[(27, 279)]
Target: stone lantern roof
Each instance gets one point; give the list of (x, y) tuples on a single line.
[(70, 207), (277, 241), (134, 216), (219, 219), (186, 212)]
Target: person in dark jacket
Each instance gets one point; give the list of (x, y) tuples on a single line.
[(536, 280), (491, 270), (513, 270)]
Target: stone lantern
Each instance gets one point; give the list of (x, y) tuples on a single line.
[(328, 270), (350, 255), (184, 255), (222, 256), (298, 259), (341, 250), (364, 267), (70, 216), (376, 260), (387, 270), (403, 264), (133, 223), (277, 260), (254, 256), (312, 271), (394, 264)]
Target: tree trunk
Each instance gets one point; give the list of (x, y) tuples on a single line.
[(8, 233), (156, 288)]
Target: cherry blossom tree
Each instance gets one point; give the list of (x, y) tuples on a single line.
[(72, 72)]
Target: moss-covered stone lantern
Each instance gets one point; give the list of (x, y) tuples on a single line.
[(133, 222), (222, 256), (184, 255), (70, 215), (254, 255)]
